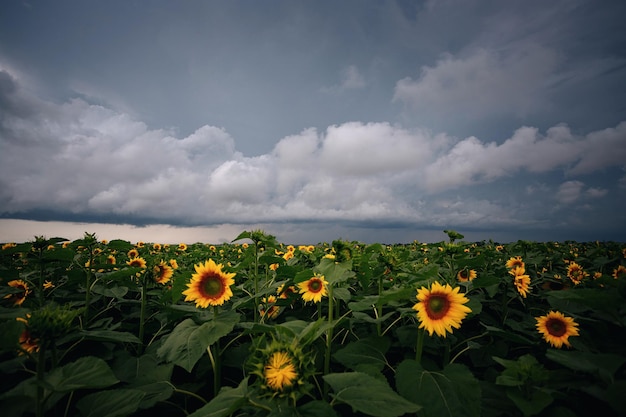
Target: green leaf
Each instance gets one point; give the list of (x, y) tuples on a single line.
[(335, 272), (451, 392), (370, 351), (536, 401), (605, 364), (86, 372), (227, 401), (368, 395), (112, 403), (316, 408), (189, 341), (109, 336)]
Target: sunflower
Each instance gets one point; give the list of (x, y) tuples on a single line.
[(182, 246), (576, 273), (440, 308), (162, 272), (279, 371), (512, 263), (314, 289), (133, 253), (209, 285), (18, 297), (136, 262), (174, 263), (521, 280), (465, 275), (285, 292), (111, 260), (269, 308), (619, 272), (556, 328), (47, 285)]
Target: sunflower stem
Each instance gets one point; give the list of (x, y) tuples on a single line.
[(142, 313), (215, 359), (256, 281), (88, 286), (329, 338), (379, 307), (41, 370), (419, 348)]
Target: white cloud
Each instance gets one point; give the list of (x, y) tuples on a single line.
[(569, 192), (87, 159), (482, 83)]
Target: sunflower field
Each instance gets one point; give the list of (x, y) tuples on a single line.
[(256, 327)]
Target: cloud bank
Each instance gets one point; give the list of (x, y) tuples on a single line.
[(85, 159)]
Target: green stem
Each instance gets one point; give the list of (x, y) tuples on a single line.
[(379, 307), (88, 286), (41, 280), (419, 348), (256, 281), (216, 360), (142, 313), (329, 338), (41, 370)]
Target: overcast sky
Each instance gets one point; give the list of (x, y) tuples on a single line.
[(315, 120)]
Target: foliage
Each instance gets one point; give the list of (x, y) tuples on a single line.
[(89, 330)]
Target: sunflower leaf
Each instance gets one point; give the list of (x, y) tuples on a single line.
[(189, 341), (369, 395), (451, 392)]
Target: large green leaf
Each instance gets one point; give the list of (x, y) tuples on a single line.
[(189, 340), (335, 272), (370, 351), (451, 392), (227, 401), (368, 395), (604, 364), (85, 372), (113, 403)]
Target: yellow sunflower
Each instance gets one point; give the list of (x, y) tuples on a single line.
[(182, 246), (576, 273), (314, 289), (136, 262), (556, 328), (512, 263), (440, 308), (162, 273), (465, 275), (209, 285), (18, 298), (133, 253), (174, 263), (279, 371), (521, 280), (269, 308), (619, 272), (111, 260)]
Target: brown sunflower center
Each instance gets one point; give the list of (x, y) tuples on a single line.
[(556, 327), (213, 286), (315, 285), (437, 306)]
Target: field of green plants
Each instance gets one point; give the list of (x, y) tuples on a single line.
[(256, 327)]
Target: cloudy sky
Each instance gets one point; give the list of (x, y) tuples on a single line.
[(314, 120)]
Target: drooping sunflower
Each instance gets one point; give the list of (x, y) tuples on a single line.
[(314, 289), (162, 273), (521, 280), (465, 275), (513, 263), (556, 328), (440, 308), (18, 298), (576, 273), (209, 286), (619, 272), (136, 262)]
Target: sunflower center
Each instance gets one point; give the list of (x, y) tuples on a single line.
[(315, 285), (556, 327), (213, 286), (437, 306)]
